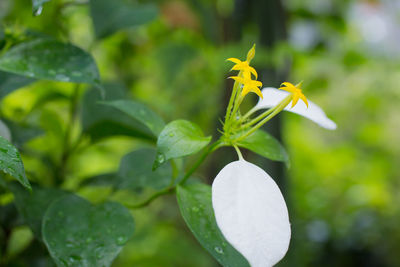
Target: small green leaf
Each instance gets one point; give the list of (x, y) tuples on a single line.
[(179, 138), (32, 205), (49, 59), (135, 171), (265, 145), (10, 82), (104, 179), (119, 14), (195, 205), (11, 163), (140, 112), (101, 121), (37, 6), (78, 233)]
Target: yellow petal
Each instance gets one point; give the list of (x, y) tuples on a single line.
[(258, 92), (253, 70), (295, 99), (234, 60), (257, 83), (287, 84), (238, 79), (304, 99), (289, 89)]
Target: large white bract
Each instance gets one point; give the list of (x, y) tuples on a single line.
[(251, 213), (273, 97), (4, 131)]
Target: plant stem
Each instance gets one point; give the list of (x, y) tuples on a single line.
[(59, 177), (238, 152), (275, 111), (172, 188), (258, 118)]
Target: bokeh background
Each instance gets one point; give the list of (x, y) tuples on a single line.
[(342, 187)]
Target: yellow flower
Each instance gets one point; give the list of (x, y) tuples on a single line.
[(244, 65), (249, 85), (296, 92)]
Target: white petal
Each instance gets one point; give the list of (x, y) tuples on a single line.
[(251, 213), (273, 96), (4, 131)]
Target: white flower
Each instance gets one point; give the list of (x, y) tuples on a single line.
[(251, 213), (4, 131), (273, 97)]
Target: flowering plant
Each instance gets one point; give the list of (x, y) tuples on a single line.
[(241, 220)]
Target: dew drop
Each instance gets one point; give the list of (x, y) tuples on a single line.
[(160, 158), (38, 11), (219, 250), (121, 240), (195, 209)]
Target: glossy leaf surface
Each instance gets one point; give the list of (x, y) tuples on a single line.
[(120, 14), (265, 145), (49, 59), (85, 236), (11, 162), (139, 112), (195, 205), (179, 138)]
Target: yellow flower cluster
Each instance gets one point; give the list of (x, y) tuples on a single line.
[(245, 74), (296, 92)]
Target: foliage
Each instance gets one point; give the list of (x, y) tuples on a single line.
[(96, 94)]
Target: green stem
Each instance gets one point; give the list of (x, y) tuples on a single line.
[(249, 113), (258, 118), (238, 152), (172, 188), (275, 111), (230, 111), (59, 177)]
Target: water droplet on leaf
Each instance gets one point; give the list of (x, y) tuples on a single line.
[(121, 240), (219, 250), (160, 158), (195, 209), (38, 11)]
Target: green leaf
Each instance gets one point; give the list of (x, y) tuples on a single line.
[(100, 121), (78, 233), (11, 163), (49, 59), (140, 112), (37, 6), (105, 179), (179, 138), (119, 14), (265, 145), (135, 171), (195, 205), (10, 82), (32, 205)]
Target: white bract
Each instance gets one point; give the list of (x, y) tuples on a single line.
[(273, 97), (251, 213), (4, 131)]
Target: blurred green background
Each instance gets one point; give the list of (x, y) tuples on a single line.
[(342, 187)]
